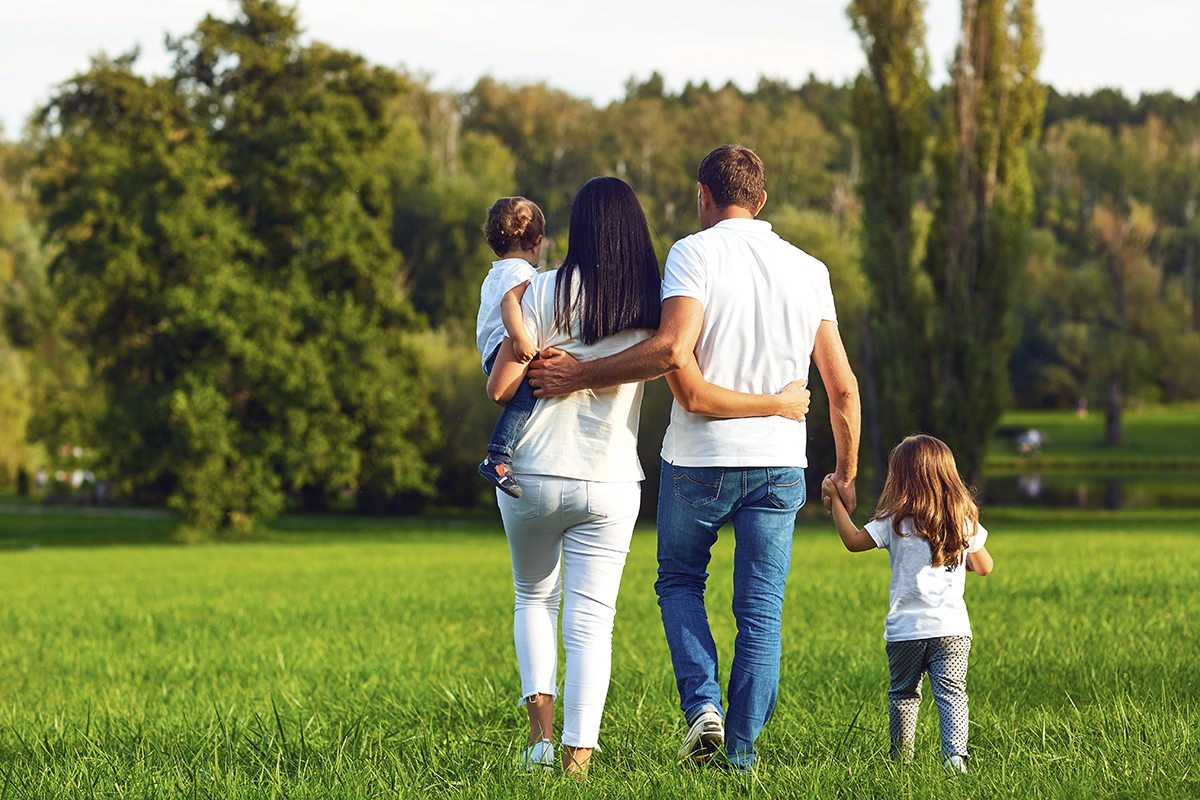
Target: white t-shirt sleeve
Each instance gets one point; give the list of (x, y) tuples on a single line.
[(825, 293), (881, 531), (684, 274), (533, 310), (976, 542)]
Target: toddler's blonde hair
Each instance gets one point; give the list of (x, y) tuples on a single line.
[(513, 223)]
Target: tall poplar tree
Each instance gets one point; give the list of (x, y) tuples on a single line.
[(891, 114), (983, 219)]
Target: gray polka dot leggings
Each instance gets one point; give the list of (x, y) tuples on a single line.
[(945, 660)]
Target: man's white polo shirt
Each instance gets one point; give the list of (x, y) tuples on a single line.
[(763, 302)]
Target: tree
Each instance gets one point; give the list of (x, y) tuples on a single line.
[(891, 116), (226, 258), (983, 215), (22, 304), (1109, 295), (1132, 286)]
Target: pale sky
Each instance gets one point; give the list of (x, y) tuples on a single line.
[(592, 50)]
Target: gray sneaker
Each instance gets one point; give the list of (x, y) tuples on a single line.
[(705, 738)]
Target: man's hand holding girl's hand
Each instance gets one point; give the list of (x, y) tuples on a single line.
[(828, 493)]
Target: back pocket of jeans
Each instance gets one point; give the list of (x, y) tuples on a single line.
[(785, 487), (529, 505), (697, 486)]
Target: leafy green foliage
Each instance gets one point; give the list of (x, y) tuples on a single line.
[(29, 354), (243, 247), (225, 253), (891, 116), (982, 221), (1110, 313)]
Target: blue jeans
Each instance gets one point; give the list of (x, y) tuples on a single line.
[(693, 504), (516, 413)]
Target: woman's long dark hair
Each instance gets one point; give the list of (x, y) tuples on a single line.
[(609, 247)]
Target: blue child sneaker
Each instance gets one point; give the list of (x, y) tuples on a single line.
[(498, 468)]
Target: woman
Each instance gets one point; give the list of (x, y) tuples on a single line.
[(578, 460)]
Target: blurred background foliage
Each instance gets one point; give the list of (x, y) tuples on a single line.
[(250, 284)]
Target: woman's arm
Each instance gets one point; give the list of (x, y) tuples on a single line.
[(507, 373), (698, 396)]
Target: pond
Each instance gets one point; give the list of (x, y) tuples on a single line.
[(1139, 489)]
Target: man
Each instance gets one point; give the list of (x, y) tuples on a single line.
[(752, 312)]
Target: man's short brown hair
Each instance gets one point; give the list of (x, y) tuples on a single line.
[(734, 175)]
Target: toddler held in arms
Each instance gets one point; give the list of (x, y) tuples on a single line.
[(928, 522), (514, 231)]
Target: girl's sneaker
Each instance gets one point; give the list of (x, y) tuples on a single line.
[(498, 468), (956, 764), (538, 756)]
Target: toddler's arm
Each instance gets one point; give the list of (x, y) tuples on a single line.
[(980, 562), (506, 376), (514, 323), (856, 540)]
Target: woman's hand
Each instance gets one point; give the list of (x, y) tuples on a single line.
[(795, 398)]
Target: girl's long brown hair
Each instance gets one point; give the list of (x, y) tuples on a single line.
[(923, 485)]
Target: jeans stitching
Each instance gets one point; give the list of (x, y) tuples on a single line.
[(677, 474), (772, 486)]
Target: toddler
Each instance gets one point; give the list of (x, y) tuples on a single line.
[(514, 231), (928, 522)]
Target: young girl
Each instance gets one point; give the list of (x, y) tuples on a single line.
[(514, 230), (928, 522)]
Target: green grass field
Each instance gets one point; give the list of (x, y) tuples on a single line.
[(364, 658)]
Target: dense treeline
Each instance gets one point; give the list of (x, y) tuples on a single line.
[(253, 281)]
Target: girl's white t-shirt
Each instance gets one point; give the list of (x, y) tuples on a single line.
[(504, 275), (588, 435), (924, 602)]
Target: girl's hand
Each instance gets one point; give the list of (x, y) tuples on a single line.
[(795, 399), (829, 493), (827, 487)]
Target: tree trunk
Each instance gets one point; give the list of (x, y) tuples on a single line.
[(874, 437), (1112, 420)]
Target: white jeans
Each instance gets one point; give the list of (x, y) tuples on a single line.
[(572, 532)]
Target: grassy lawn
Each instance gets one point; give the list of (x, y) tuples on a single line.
[(1156, 436), (348, 657)]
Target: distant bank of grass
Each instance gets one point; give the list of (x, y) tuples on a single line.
[(1155, 437), (373, 658)]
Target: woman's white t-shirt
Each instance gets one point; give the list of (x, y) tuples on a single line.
[(924, 602), (587, 435)]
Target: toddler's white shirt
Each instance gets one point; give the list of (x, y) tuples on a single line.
[(504, 275)]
